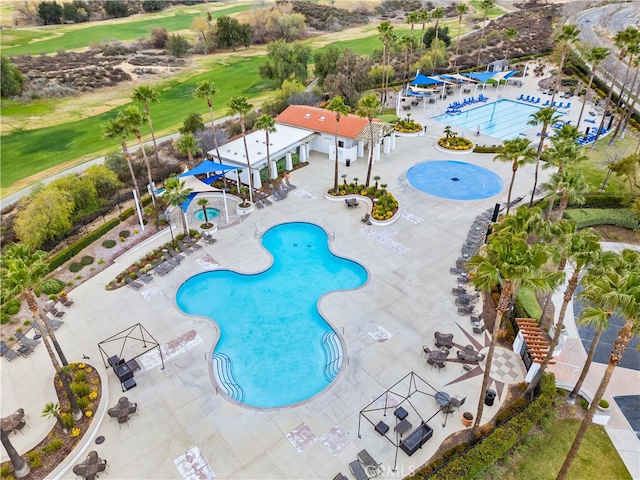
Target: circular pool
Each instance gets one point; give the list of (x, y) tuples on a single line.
[(454, 180), (212, 213)]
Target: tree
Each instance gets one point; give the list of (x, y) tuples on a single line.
[(545, 116), (82, 193), (20, 466), (339, 109), (176, 194), (105, 181), (50, 12), (207, 89), (385, 29), (159, 37), (326, 61), (565, 38), (461, 9), (203, 202), (23, 270), (231, 33), (189, 146), (518, 152), (116, 129), (76, 11), (177, 45), (268, 125), (485, 6), (368, 106), (192, 124), (46, 216), (11, 79), (412, 19), (510, 34), (424, 17), (437, 14), (116, 8), (595, 56), (627, 167), (510, 262), (618, 291), (633, 50), (152, 5), (52, 410), (239, 105), (286, 61), (146, 95)]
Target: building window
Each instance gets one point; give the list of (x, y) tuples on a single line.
[(340, 144)]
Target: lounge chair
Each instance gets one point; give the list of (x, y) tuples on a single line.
[(208, 239), (170, 260), (166, 266), (259, 204), (6, 352), (175, 254), (24, 340), (157, 268), (192, 243), (184, 248), (366, 219), (55, 312), (25, 350), (267, 202), (371, 467), (289, 185), (358, 471), (54, 323), (132, 283), (67, 303), (142, 276), (340, 476)]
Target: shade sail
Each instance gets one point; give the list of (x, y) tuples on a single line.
[(207, 166), (481, 76), (424, 80)]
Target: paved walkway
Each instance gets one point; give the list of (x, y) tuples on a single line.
[(185, 429)]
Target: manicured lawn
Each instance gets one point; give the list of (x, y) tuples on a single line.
[(595, 169), (597, 457), (52, 39)]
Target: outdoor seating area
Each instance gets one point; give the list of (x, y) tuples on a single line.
[(123, 410), (14, 422), (90, 467), (351, 202), (19, 349)]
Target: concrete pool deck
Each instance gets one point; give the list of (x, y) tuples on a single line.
[(186, 430)]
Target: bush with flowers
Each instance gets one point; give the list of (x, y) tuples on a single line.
[(384, 204), (451, 141)]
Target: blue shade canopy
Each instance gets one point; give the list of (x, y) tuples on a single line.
[(481, 76), (511, 73), (208, 166), (424, 80)]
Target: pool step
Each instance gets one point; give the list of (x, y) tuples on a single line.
[(224, 376), (333, 355)]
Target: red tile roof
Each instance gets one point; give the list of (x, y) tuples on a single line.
[(321, 120)]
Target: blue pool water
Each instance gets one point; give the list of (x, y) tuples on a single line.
[(211, 214), (275, 349), (503, 119), (454, 180)]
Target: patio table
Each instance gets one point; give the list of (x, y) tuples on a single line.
[(443, 398)]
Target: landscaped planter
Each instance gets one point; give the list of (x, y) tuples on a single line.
[(212, 229), (454, 152), (244, 210), (602, 415), (367, 201), (408, 134)]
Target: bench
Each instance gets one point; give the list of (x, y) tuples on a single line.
[(416, 439)]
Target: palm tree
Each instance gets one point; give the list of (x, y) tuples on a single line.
[(115, 129), (583, 246), (485, 6), (132, 119), (545, 116), (510, 34), (239, 105), (203, 202), (412, 19), (187, 144), (20, 467), (367, 107), (632, 103), (595, 56), (461, 9), (146, 95), (569, 185), (406, 42), (206, 89), (565, 38), (22, 271), (177, 194), (617, 290), (339, 108), (268, 124), (510, 262), (385, 29), (424, 17), (633, 50), (52, 410), (437, 13), (518, 152)]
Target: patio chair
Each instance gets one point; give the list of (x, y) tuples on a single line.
[(132, 283), (53, 322), (208, 239), (340, 476), (156, 268), (456, 402), (184, 248), (25, 350), (259, 204), (166, 266), (466, 310), (192, 243), (142, 276), (267, 202), (366, 219), (55, 312), (371, 467), (358, 471), (6, 352), (476, 318), (170, 260), (24, 340), (479, 330), (175, 254)]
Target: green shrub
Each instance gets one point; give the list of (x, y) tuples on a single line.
[(53, 446), (80, 376), (51, 286), (605, 200), (34, 458), (11, 307), (4, 318), (504, 414), (527, 303), (76, 247), (80, 389), (126, 214), (83, 402), (67, 420), (488, 149), (588, 217), (5, 471), (109, 243), (603, 403), (86, 260), (75, 267), (124, 234)]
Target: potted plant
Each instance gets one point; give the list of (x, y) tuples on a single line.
[(603, 412), (246, 206), (467, 419), (62, 296)]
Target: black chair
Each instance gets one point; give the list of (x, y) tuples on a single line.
[(479, 330)]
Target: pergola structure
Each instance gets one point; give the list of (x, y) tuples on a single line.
[(130, 339)]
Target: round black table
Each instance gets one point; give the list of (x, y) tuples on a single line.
[(443, 398)]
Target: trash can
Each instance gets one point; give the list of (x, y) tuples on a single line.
[(348, 162), (489, 398)]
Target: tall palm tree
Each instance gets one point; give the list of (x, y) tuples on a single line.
[(570, 185), (438, 13), (239, 105), (339, 109), (203, 202), (22, 271), (510, 262), (176, 193), (461, 9), (116, 129), (146, 95), (631, 103), (518, 152), (412, 19), (595, 56), (132, 119), (485, 6), (567, 36), (206, 89), (424, 15), (20, 467), (510, 34), (619, 291), (52, 410), (385, 29), (583, 247), (407, 43), (189, 145), (268, 125), (545, 116), (367, 107), (633, 50)]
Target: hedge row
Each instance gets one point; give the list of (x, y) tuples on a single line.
[(488, 149), (527, 302), (606, 200), (126, 214), (588, 217), (76, 247), (500, 440)]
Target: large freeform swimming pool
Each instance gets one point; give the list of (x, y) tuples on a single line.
[(274, 348), (503, 119)]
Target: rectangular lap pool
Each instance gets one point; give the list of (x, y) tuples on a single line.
[(503, 119)]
